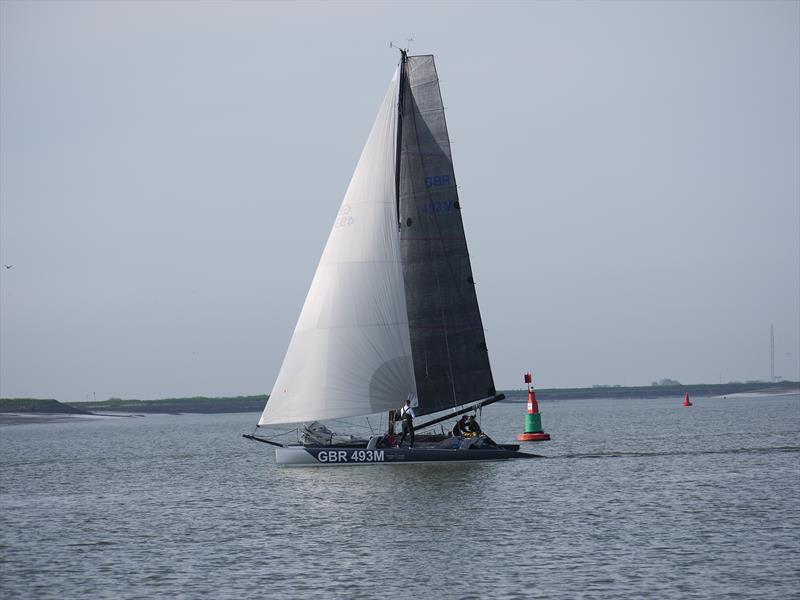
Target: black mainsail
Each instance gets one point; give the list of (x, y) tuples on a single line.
[(448, 346)]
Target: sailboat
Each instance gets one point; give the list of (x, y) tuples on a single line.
[(391, 314)]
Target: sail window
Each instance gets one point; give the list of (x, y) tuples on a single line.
[(409, 222)]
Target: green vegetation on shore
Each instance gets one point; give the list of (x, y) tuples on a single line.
[(196, 404), (203, 404), (36, 405)]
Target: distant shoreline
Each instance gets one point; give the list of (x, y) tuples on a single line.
[(760, 394), (19, 418), (700, 390), (32, 410)]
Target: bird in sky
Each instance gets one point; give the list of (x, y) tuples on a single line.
[(8, 266)]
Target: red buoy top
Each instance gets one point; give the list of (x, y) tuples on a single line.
[(528, 377), (686, 401), (533, 406)]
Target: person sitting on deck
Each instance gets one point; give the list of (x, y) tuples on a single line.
[(389, 439), (472, 427), (459, 427)]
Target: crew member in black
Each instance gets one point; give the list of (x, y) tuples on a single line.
[(472, 426), (459, 427), (407, 414)]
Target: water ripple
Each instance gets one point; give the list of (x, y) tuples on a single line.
[(182, 507)]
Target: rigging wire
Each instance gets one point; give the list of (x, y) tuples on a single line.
[(359, 425), (279, 434)]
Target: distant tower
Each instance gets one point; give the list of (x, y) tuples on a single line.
[(771, 353)]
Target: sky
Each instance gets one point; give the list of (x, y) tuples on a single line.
[(169, 172)]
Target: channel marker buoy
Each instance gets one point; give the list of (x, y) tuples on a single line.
[(686, 401), (533, 420)]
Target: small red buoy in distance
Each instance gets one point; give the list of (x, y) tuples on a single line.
[(686, 401), (533, 420)]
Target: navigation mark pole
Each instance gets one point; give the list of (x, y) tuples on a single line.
[(771, 353)]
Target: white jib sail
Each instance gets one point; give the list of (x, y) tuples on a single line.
[(350, 353)]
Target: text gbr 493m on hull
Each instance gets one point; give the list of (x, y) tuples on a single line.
[(391, 313)]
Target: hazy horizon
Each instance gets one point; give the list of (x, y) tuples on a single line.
[(521, 389), (169, 173)]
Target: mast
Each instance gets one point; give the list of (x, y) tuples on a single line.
[(400, 97)]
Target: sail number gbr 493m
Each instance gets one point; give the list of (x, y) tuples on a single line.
[(343, 456)]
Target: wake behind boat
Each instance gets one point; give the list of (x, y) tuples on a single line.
[(392, 314)]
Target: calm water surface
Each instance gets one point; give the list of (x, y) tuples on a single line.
[(636, 498)]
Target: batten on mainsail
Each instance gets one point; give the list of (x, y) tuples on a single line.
[(451, 362), (350, 353)]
